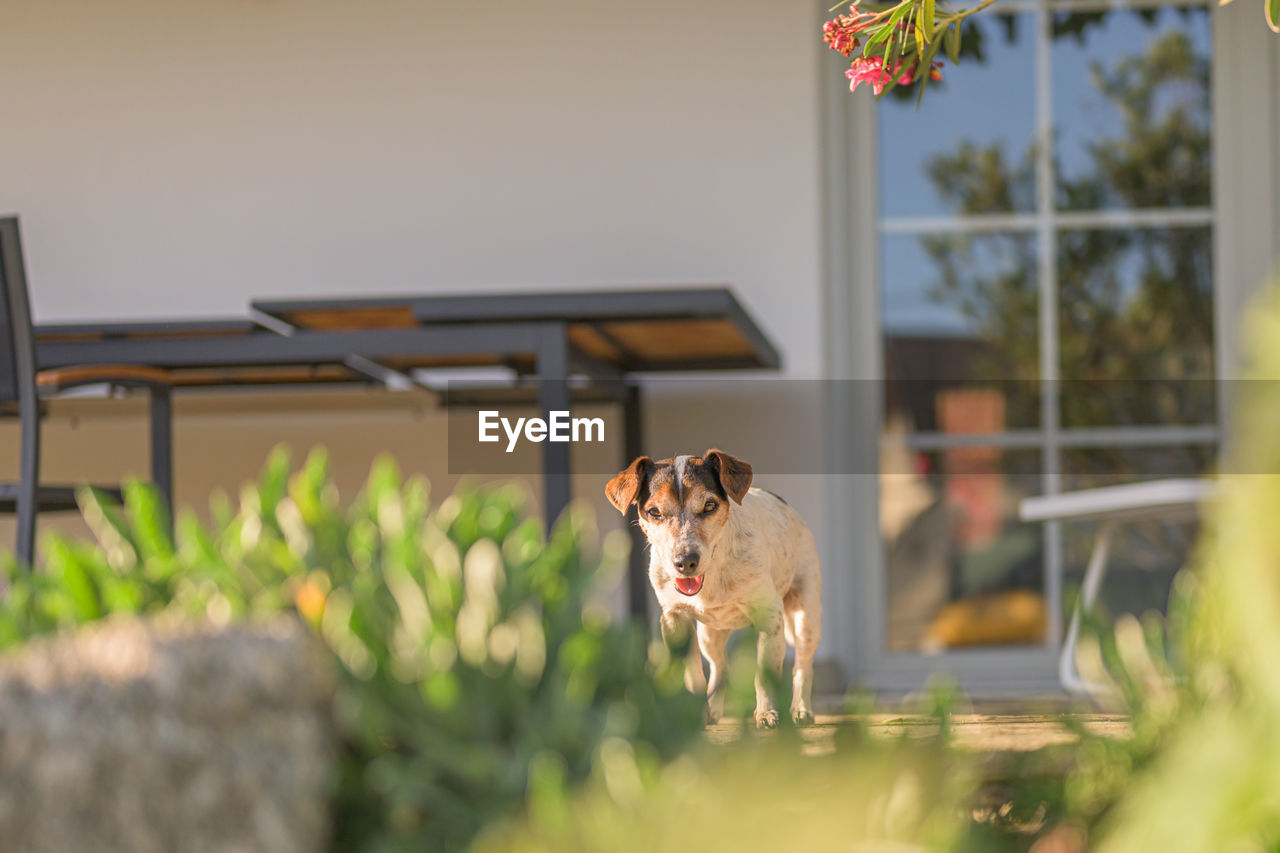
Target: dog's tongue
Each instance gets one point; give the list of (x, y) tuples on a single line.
[(689, 586)]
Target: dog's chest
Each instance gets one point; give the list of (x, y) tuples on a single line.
[(724, 616), (721, 613)]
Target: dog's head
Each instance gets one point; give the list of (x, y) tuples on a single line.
[(683, 506)]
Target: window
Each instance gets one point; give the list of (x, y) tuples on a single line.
[(1045, 243)]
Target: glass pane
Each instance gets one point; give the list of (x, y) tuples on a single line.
[(962, 570), (970, 149), (959, 316), (1135, 314), (1131, 107), (1145, 555)]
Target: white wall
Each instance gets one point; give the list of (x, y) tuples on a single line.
[(179, 157)]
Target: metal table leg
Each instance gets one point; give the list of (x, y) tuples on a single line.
[(637, 566), (553, 396), (161, 413)]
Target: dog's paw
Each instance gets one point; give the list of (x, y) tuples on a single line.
[(766, 719), (802, 716), (712, 716)]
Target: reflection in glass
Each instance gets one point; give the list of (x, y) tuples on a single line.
[(1135, 318), (1131, 99), (962, 570), (970, 151), (1145, 555), (959, 314), (1131, 107)]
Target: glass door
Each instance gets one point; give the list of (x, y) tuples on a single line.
[(1045, 232)]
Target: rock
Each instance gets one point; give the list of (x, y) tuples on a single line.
[(130, 736)]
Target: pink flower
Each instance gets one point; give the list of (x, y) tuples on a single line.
[(870, 71), (839, 34), (838, 38)]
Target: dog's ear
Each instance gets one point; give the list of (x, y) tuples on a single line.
[(734, 474), (623, 489)]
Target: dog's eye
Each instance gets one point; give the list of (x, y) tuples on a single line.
[(652, 512), (710, 507)]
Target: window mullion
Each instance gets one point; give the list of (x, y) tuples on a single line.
[(1048, 316)]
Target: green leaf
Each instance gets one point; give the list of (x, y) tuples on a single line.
[(922, 69), (926, 19), (953, 41), (151, 524), (1273, 15), (274, 480), (885, 30), (900, 12), (109, 526), (65, 566)]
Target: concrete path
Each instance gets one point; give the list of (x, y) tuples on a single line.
[(975, 732)]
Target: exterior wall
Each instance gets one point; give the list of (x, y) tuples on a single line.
[(179, 157)]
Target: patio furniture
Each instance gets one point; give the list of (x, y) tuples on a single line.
[(21, 386), (603, 339), (1111, 506)]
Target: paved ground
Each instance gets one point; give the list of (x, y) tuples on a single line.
[(983, 731)]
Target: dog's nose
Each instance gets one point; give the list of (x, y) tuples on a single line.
[(686, 562)]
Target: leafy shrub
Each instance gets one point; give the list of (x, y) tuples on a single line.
[(469, 649)]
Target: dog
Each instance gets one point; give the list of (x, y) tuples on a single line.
[(724, 555)]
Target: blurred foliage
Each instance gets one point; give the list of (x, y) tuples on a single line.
[(899, 793), (1199, 686), (472, 650), (1214, 703)]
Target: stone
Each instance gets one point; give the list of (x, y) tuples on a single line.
[(138, 736)]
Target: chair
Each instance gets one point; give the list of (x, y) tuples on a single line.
[(1110, 505), (21, 386)]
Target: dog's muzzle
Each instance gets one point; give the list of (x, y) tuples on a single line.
[(686, 564)]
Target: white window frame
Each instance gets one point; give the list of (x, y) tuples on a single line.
[(1244, 215)]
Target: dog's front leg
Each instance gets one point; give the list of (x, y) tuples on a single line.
[(677, 629), (771, 648), (713, 642)]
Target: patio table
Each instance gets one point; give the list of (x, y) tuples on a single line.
[(608, 338)]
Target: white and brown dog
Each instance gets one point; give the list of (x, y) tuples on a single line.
[(727, 567)]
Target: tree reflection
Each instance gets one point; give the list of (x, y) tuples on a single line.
[(1135, 336), (1135, 315)]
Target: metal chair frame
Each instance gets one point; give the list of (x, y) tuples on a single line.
[(19, 384)]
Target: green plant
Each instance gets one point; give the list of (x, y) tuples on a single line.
[(897, 42), (471, 650), (1211, 785)]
